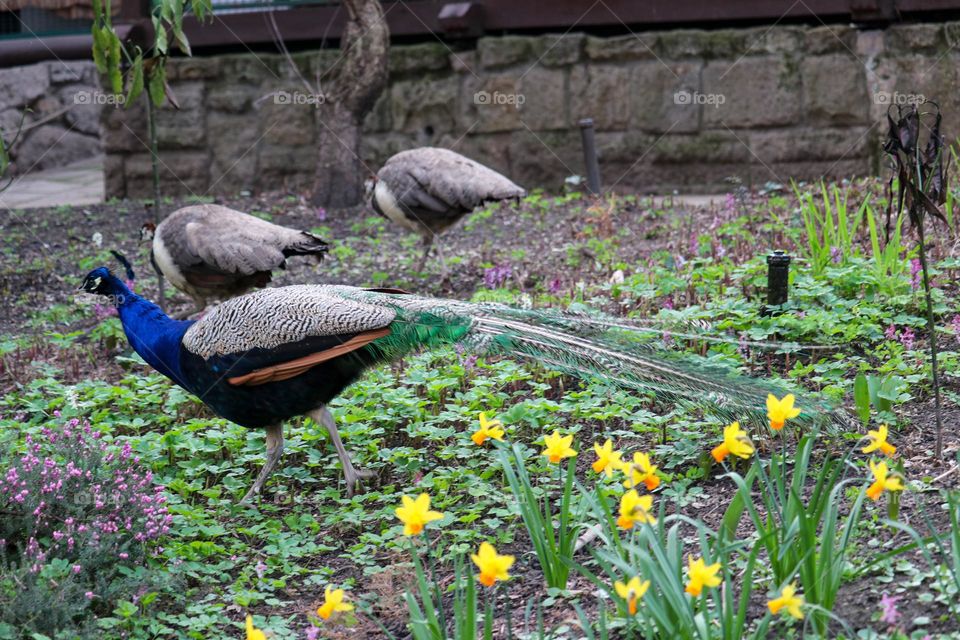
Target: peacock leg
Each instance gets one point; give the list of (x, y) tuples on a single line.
[(352, 476), (274, 451), (444, 271), (427, 245)]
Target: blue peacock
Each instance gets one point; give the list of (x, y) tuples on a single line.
[(271, 355)]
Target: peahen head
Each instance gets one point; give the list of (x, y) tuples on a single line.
[(101, 282), (147, 231)]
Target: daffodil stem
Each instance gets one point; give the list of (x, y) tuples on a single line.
[(433, 578), (489, 610), (768, 487)]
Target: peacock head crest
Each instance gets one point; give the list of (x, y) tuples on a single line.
[(101, 282)]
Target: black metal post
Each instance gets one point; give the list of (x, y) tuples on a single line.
[(590, 155), (778, 278)]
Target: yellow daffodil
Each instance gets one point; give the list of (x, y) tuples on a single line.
[(641, 471), (779, 411), (882, 481), (632, 591), (491, 429), (878, 442), (608, 460), (557, 447), (789, 600), (492, 565), (252, 632), (735, 442), (332, 603), (635, 508), (414, 514), (701, 575)]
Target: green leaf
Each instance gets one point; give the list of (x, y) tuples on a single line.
[(99, 57), (113, 63), (156, 87), (136, 79), (126, 609), (201, 8), (861, 397), (160, 43)]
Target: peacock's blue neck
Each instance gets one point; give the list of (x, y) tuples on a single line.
[(151, 333)]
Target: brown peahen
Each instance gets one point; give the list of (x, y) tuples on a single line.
[(429, 189), (211, 251)]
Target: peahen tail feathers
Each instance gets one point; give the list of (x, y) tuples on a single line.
[(587, 347)]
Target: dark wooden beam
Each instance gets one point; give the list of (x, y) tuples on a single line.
[(310, 24), (19, 51)]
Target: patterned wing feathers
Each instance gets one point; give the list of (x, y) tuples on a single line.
[(271, 318), (292, 368)]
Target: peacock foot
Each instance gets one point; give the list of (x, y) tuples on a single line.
[(354, 479)]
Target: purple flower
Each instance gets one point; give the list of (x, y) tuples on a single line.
[(907, 336), (888, 604), (260, 568), (915, 273), (313, 633), (467, 360), (730, 203), (836, 255), (321, 214), (891, 332), (496, 276), (555, 286), (89, 595)]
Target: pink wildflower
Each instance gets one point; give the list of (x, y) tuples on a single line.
[(890, 615)]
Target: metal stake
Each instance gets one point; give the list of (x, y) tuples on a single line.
[(590, 155)]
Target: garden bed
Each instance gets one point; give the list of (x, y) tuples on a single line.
[(695, 273)]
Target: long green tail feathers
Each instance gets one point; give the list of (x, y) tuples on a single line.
[(594, 348)]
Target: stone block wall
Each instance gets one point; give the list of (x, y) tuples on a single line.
[(683, 109), (55, 107)]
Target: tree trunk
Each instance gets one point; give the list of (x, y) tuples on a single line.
[(340, 174), (361, 76)]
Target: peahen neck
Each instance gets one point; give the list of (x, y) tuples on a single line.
[(151, 332)]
